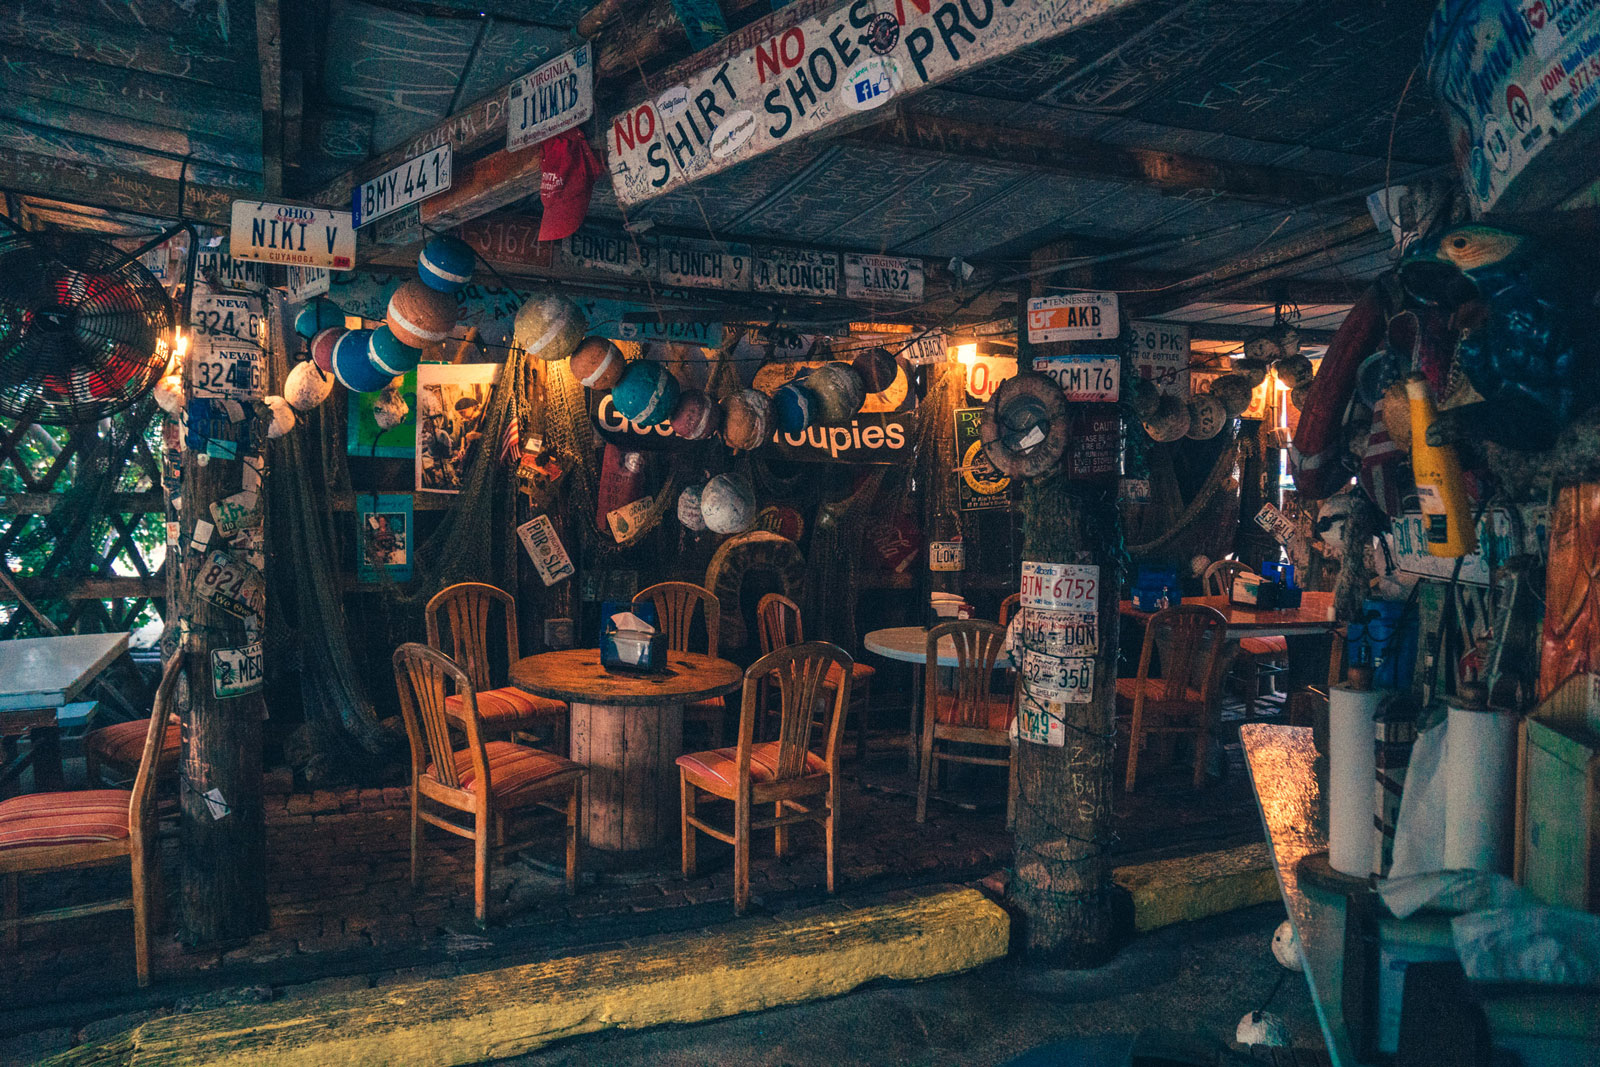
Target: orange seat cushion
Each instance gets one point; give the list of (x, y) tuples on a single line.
[(722, 764), (1128, 688), (859, 672), (995, 715), (85, 817), (705, 709), (123, 743), (514, 770), (507, 706), (1274, 645)]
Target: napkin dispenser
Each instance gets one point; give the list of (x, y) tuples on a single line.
[(629, 643)]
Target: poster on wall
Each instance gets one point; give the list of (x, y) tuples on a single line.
[(980, 485), (365, 438), (384, 536), (452, 404)]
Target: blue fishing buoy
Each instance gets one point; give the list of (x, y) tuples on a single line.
[(320, 314), (352, 367), (795, 407), (445, 263), (646, 394), (389, 354)]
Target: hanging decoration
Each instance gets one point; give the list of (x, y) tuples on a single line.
[(319, 314), (794, 406), (746, 419), (420, 316), (445, 263), (646, 394), (598, 363), (352, 365), (696, 417), (689, 513), (307, 386), (549, 327), (839, 392), (728, 504), (322, 347), (280, 417), (1024, 427)]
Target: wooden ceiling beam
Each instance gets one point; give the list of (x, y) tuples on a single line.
[(1081, 157), (269, 51), (69, 181)]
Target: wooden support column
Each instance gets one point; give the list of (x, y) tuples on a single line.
[(1062, 888), (223, 894)]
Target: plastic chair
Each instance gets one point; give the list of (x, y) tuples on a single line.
[(488, 781), (676, 604), (466, 608), (781, 773), (778, 624), (92, 828), (1255, 658), (1183, 700), (967, 710)]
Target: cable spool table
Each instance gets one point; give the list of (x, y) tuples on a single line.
[(627, 729)]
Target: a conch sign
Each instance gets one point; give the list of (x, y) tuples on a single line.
[(807, 66)]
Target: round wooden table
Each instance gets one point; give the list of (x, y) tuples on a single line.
[(909, 644), (627, 729)]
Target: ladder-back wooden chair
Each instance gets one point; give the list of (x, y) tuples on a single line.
[(1008, 608), (466, 611), (92, 828), (676, 604), (780, 773), (1183, 700), (489, 782), (778, 625), (1253, 659), (961, 705)]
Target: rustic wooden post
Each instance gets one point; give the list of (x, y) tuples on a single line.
[(223, 893), (1062, 886)]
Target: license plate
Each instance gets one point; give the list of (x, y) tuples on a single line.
[(1066, 678), (1061, 633), (412, 181), (229, 318), (237, 671), (1060, 586), (228, 369), (1085, 378), (232, 585), (1043, 722)]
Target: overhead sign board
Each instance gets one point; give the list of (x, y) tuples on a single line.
[(1072, 317), (551, 99), (883, 278), (610, 251), (295, 234), (809, 66), (411, 182), (1084, 378), (882, 438)]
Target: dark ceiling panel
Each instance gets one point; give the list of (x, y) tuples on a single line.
[(165, 140), (945, 190), (507, 52), (60, 144), (854, 177), (133, 48), (224, 23)]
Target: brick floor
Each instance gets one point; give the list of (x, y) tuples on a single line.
[(341, 903)]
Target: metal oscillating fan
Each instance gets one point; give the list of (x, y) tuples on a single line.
[(82, 327)]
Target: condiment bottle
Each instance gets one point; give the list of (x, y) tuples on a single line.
[(1446, 513)]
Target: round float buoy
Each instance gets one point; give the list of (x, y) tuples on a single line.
[(746, 419), (1024, 425), (420, 316), (1170, 422), (839, 393), (389, 354), (446, 263), (307, 386), (727, 504), (1252, 369), (282, 417), (1286, 947), (352, 367), (1235, 392), (598, 363), (1294, 370), (646, 393), (794, 406), (1262, 1028), (1145, 397), (169, 394), (1206, 417), (549, 326), (696, 417), (877, 369), (322, 347), (689, 509), (390, 409), (317, 316)]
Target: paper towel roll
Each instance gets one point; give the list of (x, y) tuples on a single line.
[(1480, 785), (1351, 772)]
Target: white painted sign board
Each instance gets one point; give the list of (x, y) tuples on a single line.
[(551, 99)]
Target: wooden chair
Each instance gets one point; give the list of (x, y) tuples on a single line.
[(966, 709), (92, 828), (489, 781), (1252, 659), (1183, 700), (118, 748), (676, 604), (778, 625), (1008, 607), (466, 608), (781, 773)]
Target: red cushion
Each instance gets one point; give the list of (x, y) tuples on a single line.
[(1128, 688), (1273, 645), (78, 818), (507, 706), (995, 716), (513, 769), (723, 763), (123, 743)]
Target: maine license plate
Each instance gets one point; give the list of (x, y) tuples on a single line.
[(414, 180), (1061, 633), (1065, 678), (236, 671)]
